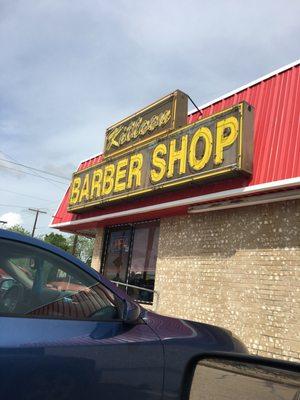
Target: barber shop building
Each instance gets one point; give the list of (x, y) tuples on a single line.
[(196, 214)]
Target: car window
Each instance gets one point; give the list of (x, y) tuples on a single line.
[(39, 283)]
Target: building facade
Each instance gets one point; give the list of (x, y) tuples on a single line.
[(223, 247)]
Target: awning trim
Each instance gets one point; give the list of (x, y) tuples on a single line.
[(225, 194)]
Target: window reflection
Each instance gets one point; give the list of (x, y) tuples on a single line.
[(35, 282), (130, 257), (117, 254), (143, 260)]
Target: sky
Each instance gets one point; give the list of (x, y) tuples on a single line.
[(69, 69)]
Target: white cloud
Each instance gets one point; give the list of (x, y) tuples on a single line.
[(12, 219)]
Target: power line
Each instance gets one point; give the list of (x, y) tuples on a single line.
[(25, 208), (11, 205), (27, 195), (49, 181), (35, 169), (28, 173)]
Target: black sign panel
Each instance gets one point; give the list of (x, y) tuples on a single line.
[(220, 145), (167, 114)]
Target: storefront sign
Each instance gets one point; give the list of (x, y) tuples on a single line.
[(220, 145), (165, 115)]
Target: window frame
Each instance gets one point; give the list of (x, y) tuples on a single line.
[(132, 226)]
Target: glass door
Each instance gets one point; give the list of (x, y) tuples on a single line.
[(116, 257), (130, 254), (143, 260)]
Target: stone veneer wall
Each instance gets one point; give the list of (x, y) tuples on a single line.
[(238, 269)]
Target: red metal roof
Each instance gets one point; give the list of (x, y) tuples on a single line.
[(276, 156)]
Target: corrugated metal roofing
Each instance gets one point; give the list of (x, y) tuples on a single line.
[(276, 156), (276, 124), (87, 163)]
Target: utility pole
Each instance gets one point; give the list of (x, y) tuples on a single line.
[(3, 223), (74, 244), (37, 211)]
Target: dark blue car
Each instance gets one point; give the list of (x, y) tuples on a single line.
[(68, 333)]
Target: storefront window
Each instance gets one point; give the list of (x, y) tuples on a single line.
[(117, 254), (130, 257)]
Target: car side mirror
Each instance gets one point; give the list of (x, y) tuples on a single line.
[(239, 377), (132, 312)]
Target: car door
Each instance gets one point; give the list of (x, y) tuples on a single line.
[(62, 335)]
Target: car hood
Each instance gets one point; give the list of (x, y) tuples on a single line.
[(190, 333)]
